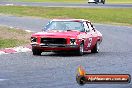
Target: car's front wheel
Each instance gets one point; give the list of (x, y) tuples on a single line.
[(36, 52), (96, 48), (81, 49)]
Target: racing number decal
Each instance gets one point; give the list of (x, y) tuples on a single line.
[(90, 42)]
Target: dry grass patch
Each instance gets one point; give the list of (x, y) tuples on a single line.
[(10, 37)]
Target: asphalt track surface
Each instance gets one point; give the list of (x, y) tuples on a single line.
[(74, 5), (23, 70)]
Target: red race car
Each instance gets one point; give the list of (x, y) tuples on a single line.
[(77, 35)]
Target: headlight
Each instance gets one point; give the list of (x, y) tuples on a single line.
[(73, 41), (33, 39)]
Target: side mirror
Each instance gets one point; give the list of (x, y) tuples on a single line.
[(43, 29), (83, 30)]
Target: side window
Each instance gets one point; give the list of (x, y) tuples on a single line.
[(86, 27)]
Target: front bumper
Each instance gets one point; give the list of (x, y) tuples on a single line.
[(53, 45)]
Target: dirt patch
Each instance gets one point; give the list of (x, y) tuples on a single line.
[(14, 36)]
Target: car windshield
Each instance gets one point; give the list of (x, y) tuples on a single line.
[(64, 26)]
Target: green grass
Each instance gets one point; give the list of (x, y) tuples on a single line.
[(13, 37), (119, 1), (6, 43), (67, 1), (75, 1), (99, 15)]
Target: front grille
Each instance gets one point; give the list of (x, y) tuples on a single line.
[(53, 40)]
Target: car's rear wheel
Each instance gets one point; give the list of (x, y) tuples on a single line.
[(96, 48), (81, 49), (36, 51)]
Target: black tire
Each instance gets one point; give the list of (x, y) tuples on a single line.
[(36, 52), (96, 48), (81, 49)]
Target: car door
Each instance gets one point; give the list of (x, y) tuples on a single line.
[(88, 38), (93, 34)]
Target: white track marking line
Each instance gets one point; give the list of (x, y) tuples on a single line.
[(21, 49), (9, 4), (28, 30), (17, 50), (3, 79), (1, 52)]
